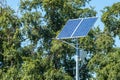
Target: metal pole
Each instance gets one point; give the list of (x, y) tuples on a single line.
[(77, 60)]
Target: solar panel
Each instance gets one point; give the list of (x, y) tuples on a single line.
[(76, 28), (68, 28), (84, 27)]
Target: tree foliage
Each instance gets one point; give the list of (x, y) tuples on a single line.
[(111, 18), (104, 64), (29, 52)]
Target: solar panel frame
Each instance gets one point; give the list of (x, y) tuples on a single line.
[(75, 30)]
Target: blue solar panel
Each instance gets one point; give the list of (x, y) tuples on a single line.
[(84, 27), (69, 28), (76, 28)]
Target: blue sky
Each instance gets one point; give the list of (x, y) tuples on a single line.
[(98, 4)]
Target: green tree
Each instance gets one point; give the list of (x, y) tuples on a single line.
[(111, 19), (106, 67), (38, 22), (10, 43), (104, 63)]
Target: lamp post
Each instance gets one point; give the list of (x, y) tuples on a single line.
[(75, 28), (77, 60)]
